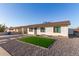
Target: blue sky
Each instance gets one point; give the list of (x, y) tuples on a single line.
[(24, 14)]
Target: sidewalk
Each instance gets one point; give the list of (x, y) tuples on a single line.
[(3, 52), (13, 35)]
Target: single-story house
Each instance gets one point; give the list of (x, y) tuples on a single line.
[(48, 28)]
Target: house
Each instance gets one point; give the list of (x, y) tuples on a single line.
[(71, 32), (20, 29), (9, 30), (47, 28), (76, 32)]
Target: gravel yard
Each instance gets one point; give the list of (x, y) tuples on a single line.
[(62, 47)]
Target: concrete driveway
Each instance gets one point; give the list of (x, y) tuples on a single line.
[(4, 39), (62, 47), (3, 52)]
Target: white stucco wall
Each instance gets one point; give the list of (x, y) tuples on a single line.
[(49, 31), (64, 31)]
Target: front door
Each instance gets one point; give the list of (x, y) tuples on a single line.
[(25, 30), (35, 31)]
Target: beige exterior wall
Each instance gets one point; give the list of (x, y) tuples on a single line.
[(18, 30), (49, 31), (8, 30), (22, 30)]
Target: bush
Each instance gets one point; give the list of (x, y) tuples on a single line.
[(2, 28)]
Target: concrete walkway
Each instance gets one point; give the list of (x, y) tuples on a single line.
[(3, 52)]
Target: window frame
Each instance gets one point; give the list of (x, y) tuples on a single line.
[(42, 29), (30, 29), (57, 29)]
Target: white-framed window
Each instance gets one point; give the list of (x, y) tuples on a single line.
[(30, 29), (42, 29), (57, 29)]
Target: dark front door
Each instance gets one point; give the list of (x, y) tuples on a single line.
[(25, 30), (35, 31)]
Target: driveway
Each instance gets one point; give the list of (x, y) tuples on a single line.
[(6, 38), (62, 47), (3, 52)]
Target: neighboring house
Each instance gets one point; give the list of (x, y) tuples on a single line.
[(76, 32), (20, 29), (8, 30), (47, 28), (71, 31)]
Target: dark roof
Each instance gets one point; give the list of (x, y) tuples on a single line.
[(18, 27), (49, 24)]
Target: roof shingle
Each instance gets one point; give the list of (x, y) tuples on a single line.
[(49, 24)]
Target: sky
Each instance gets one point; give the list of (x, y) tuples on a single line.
[(21, 14)]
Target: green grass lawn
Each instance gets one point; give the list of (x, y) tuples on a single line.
[(38, 40)]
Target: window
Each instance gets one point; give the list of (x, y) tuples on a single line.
[(57, 29), (30, 29), (42, 29)]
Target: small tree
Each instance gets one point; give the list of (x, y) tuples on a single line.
[(2, 27)]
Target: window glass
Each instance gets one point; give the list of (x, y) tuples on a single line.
[(42, 29), (30, 29), (57, 29)]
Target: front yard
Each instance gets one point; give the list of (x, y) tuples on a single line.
[(61, 47), (38, 40)]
